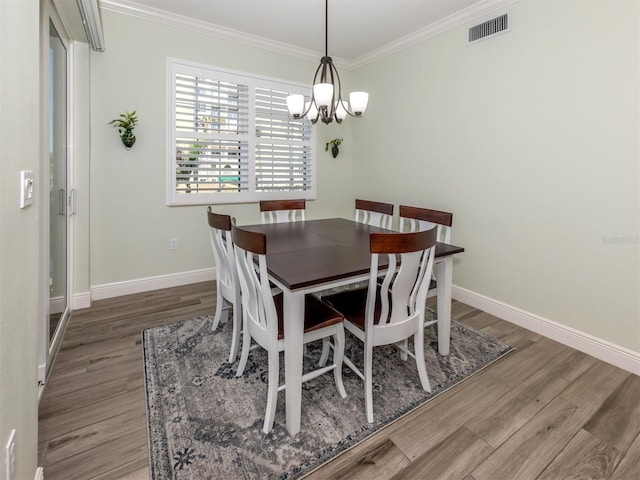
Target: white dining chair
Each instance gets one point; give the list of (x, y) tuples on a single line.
[(378, 214), (415, 219), (389, 313), (278, 211), (263, 319), (227, 286)]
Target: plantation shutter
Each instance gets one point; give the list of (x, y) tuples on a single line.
[(212, 130), (231, 138), (283, 145)]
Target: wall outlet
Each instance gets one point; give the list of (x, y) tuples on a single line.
[(173, 244), (10, 455)]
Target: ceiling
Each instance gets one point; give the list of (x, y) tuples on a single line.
[(356, 27)]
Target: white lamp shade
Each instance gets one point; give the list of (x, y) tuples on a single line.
[(313, 111), (341, 109), (295, 104), (323, 94), (359, 102)]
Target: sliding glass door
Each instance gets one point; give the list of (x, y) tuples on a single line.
[(55, 174)]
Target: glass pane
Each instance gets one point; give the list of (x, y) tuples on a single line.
[(211, 166), (58, 294), (211, 106)]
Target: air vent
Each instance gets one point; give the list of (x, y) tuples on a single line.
[(489, 28)]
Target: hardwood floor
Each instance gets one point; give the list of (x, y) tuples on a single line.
[(544, 412)]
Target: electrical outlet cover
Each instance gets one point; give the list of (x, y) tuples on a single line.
[(26, 188)]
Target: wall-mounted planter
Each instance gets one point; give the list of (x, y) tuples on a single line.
[(128, 139), (334, 144), (125, 125)]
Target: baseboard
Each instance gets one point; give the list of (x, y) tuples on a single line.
[(606, 351), (117, 289), (56, 305), (81, 300), (39, 474)]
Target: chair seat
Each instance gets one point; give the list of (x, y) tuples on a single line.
[(317, 314), (352, 304)]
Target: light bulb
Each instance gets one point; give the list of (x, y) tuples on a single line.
[(341, 109), (359, 102), (313, 111), (323, 94), (295, 104)]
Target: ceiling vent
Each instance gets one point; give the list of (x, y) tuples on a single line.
[(490, 28)]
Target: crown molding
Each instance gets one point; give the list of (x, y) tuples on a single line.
[(128, 7), (160, 16), (448, 23)]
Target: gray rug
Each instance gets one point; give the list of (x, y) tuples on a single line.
[(204, 423)]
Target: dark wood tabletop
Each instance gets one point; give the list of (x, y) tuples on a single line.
[(314, 252)]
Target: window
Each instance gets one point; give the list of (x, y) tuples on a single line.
[(231, 138)]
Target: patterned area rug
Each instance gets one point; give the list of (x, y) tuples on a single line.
[(204, 423)]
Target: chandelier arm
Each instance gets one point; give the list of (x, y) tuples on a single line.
[(313, 98), (304, 114), (340, 97), (315, 75), (332, 109)]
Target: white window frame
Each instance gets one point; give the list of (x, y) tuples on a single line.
[(173, 197)]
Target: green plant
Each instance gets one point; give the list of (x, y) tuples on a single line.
[(125, 125), (335, 143), (188, 166)]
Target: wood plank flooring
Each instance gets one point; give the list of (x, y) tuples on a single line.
[(545, 412)]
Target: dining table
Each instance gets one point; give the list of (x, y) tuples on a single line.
[(315, 255)]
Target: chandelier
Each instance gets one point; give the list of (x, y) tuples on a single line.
[(326, 96)]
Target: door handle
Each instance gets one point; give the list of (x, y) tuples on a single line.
[(72, 201), (61, 201)]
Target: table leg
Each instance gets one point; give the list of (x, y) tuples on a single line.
[(293, 333), (444, 275)]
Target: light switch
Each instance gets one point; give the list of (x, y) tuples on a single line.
[(26, 188)]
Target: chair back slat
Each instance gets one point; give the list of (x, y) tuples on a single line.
[(378, 214), (413, 219), (279, 211)]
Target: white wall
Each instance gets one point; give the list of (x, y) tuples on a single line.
[(130, 226), (19, 251), (531, 139)]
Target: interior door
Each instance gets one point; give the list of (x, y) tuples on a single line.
[(59, 308)]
